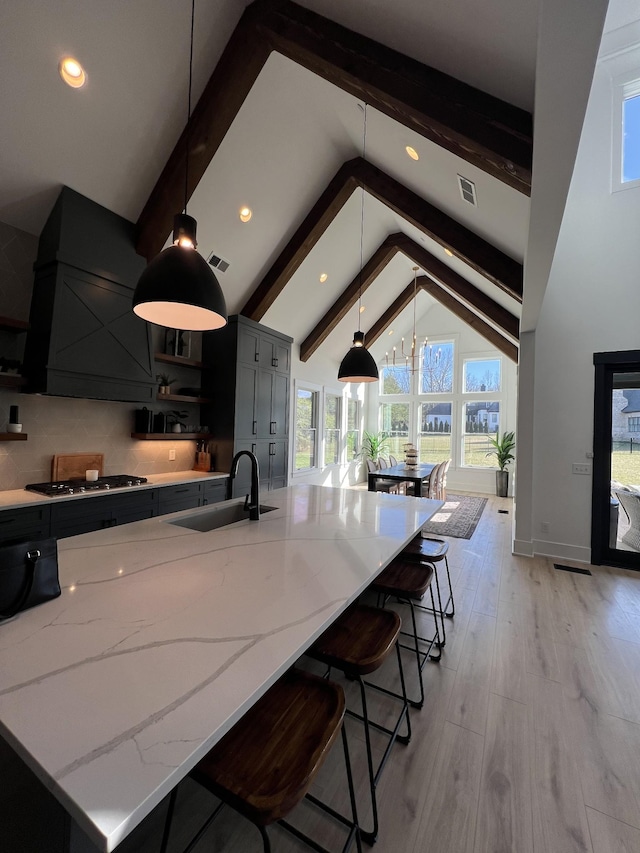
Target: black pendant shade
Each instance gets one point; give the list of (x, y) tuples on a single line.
[(178, 288), (358, 365)]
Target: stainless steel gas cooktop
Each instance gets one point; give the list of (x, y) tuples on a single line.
[(77, 487)]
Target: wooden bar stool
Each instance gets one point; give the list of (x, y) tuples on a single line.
[(432, 550), (358, 643), (266, 764), (408, 582)]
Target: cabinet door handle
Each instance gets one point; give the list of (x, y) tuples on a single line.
[(254, 429), (274, 361), (272, 448), (253, 448), (273, 427), (179, 491), (256, 355)]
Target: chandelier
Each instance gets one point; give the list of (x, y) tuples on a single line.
[(410, 359)]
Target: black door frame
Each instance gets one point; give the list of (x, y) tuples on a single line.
[(606, 365)]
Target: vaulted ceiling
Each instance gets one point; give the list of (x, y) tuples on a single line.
[(280, 127)]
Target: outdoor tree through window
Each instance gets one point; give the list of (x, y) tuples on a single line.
[(436, 368), (306, 429)]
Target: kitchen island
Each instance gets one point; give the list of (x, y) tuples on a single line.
[(164, 636)]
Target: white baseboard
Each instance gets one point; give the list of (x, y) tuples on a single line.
[(523, 548), (561, 551)]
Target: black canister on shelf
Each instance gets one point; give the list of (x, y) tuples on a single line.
[(14, 415), (160, 422), (144, 420)]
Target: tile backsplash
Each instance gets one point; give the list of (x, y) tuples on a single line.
[(70, 425)]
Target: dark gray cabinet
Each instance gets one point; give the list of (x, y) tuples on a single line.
[(19, 525), (247, 375), (85, 514)]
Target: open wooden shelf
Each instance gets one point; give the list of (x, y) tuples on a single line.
[(12, 380), (181, 398), (8, 324), (170, 436), (13, 436), (177, 360)]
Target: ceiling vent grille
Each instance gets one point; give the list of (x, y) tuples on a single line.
[(467, 190), (219, 263)]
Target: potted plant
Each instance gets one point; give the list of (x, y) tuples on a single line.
[(164, 383), (374, 445), (175, 418), (502, 450)]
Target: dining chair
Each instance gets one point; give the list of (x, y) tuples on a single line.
[(389, 486), (382, 463), (392, 461)]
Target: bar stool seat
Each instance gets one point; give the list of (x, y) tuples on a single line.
[(408, 581), (432, 550), (358, 643), (264, 766)]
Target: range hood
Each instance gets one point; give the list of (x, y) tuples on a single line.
[(84, 339)]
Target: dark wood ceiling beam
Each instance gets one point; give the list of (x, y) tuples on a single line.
[(477, 127), (237, 70), (477, 253), (348, 298), (386, 319), (305, 238), (475, 298), (481, 129), (467, 316), (490, 262)]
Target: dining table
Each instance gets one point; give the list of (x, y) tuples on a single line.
[(400, 473), (166, 632)]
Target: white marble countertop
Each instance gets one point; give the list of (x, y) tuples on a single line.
[(16, 498), (163, 637)]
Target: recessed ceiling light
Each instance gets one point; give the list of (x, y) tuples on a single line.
[(72, 72), (412, 152), (245, 214), (448, 252), (323, 277), (390, 332)]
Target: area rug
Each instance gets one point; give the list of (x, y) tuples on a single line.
[(458, 517)]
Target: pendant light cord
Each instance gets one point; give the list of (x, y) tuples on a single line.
[(186, 168), (364, 153)]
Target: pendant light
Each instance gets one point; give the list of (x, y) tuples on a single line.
[(358, 365), (412, 357), (178, 288)]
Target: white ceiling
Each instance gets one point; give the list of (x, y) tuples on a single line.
[(110, 140)]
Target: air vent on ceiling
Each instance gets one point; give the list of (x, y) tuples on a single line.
[(467, 190), (218, 263)]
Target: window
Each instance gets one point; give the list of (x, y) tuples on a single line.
[(353, 429), (332, 428), (631, 137), (306, 453), (394, 420), (436, 368), (395, 379), (434, 432), (481, 419), (481, 375), (626, 133), (634, 424)]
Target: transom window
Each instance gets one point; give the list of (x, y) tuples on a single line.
[(436, 368), (481, 375), (626, 132)]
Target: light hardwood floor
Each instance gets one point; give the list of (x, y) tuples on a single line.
[(529, 740)]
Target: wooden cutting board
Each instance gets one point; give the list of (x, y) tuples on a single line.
[(69, 466)]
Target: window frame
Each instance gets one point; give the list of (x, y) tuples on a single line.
[(625, 86), (339, 395), (316, 391)]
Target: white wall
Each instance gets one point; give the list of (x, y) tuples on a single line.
[(592, 304)]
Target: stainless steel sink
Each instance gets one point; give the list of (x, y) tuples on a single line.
[(219, 516)]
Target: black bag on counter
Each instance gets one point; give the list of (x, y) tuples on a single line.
[(28, 575)]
